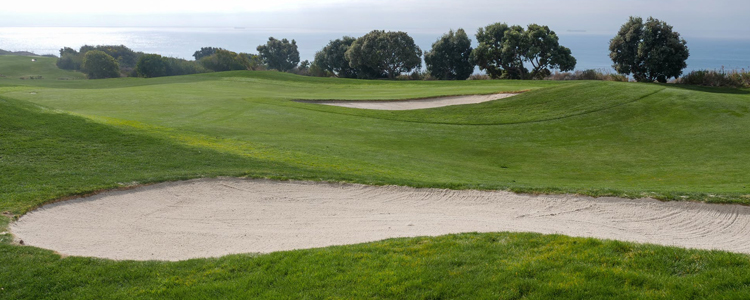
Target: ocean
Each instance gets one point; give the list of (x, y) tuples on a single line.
[(590, 50)]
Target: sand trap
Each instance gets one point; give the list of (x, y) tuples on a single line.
[(412, 104), (208, 218)]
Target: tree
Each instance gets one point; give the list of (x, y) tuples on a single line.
[(225, 60), (381, 53), (205, 51), (151, 65), (97, 64), (491, 55), (450, 57), (69, 59), (650, 52), (504, 50), (333, 58), (279, 54), (543, 52)]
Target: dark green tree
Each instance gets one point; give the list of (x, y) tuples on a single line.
[(151, 65), (450, 57), (493, 56), (205, 51), (504, 51), (97, 64), (333, 58), (650, 52), (543, 52), (381, 53), (280, 55), (69, 59)]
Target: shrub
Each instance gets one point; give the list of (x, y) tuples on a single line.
[(225, 60), (589, 74), (97, 65), (720, 78), (69, 61), (151, 65), (479, 77), (154, 65)]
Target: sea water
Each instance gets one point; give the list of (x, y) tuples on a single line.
[(590, 50)]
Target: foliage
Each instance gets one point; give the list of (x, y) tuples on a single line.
[(70, 61), (380, 53), (126, 58), (588, 74), (332, 58), (151, 65), (204, 52), (225, 60), (504, 49), (97, 65), (279, 55), (303, 68), (154, 65), (650, 52), (721, 78), (450, 57), (543, 52)]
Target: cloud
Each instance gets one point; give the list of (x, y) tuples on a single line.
[(693, 17)]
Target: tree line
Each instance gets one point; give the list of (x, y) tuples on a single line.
[(649, 51)]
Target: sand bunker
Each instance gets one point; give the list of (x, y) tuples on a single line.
[(215, 217), (412, 104)]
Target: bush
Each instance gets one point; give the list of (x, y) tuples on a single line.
[(126, 58), (97, 65), (225, 60), (589, 74), (69, 61), (154, 65), (479, 77), (721, 78)]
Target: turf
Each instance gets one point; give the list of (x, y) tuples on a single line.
[(13, 67), (595, 138), (60, 138), (466, 266)]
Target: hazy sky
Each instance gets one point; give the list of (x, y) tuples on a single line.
[(721, 18)]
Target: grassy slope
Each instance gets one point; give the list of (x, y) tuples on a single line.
[(50, 154), (13, 67), (594, 138)]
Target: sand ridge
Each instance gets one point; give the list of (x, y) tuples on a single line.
[(412, 104), (216, 217)]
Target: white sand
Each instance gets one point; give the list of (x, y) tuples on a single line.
[(215, 217), (412, 104)]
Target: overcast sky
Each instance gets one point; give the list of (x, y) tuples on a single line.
[(720, 18)]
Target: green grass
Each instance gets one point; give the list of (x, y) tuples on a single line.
[(595, 138), (61, 138), (12, 68)]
